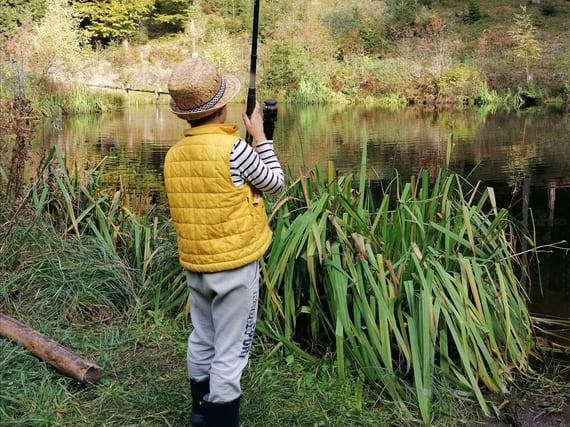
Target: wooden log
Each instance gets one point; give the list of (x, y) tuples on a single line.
[(45, 348)]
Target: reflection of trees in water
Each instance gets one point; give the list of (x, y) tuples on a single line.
[(130, 146), (491, 147), (499, 147), (412, 140)]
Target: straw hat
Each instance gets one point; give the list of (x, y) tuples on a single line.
[(197, 90)]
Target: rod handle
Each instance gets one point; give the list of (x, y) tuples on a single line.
[(269, 117)]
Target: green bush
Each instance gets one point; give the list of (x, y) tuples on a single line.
[(279, 70), (357, 27), (459, 83), (372, 36), (57, 48), (310, 92), (15, 13), (404, 11), (562, 91)]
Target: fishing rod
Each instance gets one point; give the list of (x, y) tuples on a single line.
[(270, 105), (252, 66)]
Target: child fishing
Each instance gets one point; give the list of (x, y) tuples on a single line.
[(213, 181)]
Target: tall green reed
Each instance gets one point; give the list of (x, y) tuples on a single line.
[(104, 228), (75, 100), (412, 286)]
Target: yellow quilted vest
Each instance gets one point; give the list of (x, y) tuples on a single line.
[(218, 226)]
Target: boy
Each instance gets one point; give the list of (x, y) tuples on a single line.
[(212, 180)]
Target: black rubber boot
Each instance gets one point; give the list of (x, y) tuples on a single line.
[(198, 391), (222, 414)]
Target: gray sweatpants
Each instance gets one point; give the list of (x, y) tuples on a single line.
[(223, 310)]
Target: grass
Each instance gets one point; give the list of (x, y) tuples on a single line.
[(43, 269), (129, 391), (145, 383), (58, 101), (142, 355)]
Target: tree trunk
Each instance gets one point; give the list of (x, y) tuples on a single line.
[(46, 349)]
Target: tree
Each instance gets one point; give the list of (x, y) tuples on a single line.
[(57, 41), (113, 20), (473, 12), (523, 34), (14, 13), (169, 16), (404, 11)]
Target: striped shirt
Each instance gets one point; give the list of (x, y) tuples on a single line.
[(259, 167)]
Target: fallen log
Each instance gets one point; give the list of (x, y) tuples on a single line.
[(45, 348)]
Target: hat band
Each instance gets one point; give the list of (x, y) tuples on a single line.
[(212, 102)]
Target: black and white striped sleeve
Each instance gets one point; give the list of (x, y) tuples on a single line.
[(259, 167)]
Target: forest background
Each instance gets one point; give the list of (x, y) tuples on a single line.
[(394, 52)]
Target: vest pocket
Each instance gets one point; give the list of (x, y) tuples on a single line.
[(259, 216)]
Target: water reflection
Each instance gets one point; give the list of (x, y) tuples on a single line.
[(526, 158)]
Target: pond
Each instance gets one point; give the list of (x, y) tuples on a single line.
[(525, 157)]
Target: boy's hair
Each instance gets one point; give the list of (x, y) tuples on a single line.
[(202, 120)]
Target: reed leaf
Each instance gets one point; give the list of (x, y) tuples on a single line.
[(396, 289)]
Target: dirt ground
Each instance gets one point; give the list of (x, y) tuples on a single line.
[(546, 407), (532, 415)]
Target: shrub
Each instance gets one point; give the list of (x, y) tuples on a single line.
[(459, 83), (310, 92), (17, 13), (357, 27), (279, 72), (404, 11)]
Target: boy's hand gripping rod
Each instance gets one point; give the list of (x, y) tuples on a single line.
[(270, 105)]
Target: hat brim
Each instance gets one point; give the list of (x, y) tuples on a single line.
[(233, 86)]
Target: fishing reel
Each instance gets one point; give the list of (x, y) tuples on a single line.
[(269, 117)]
